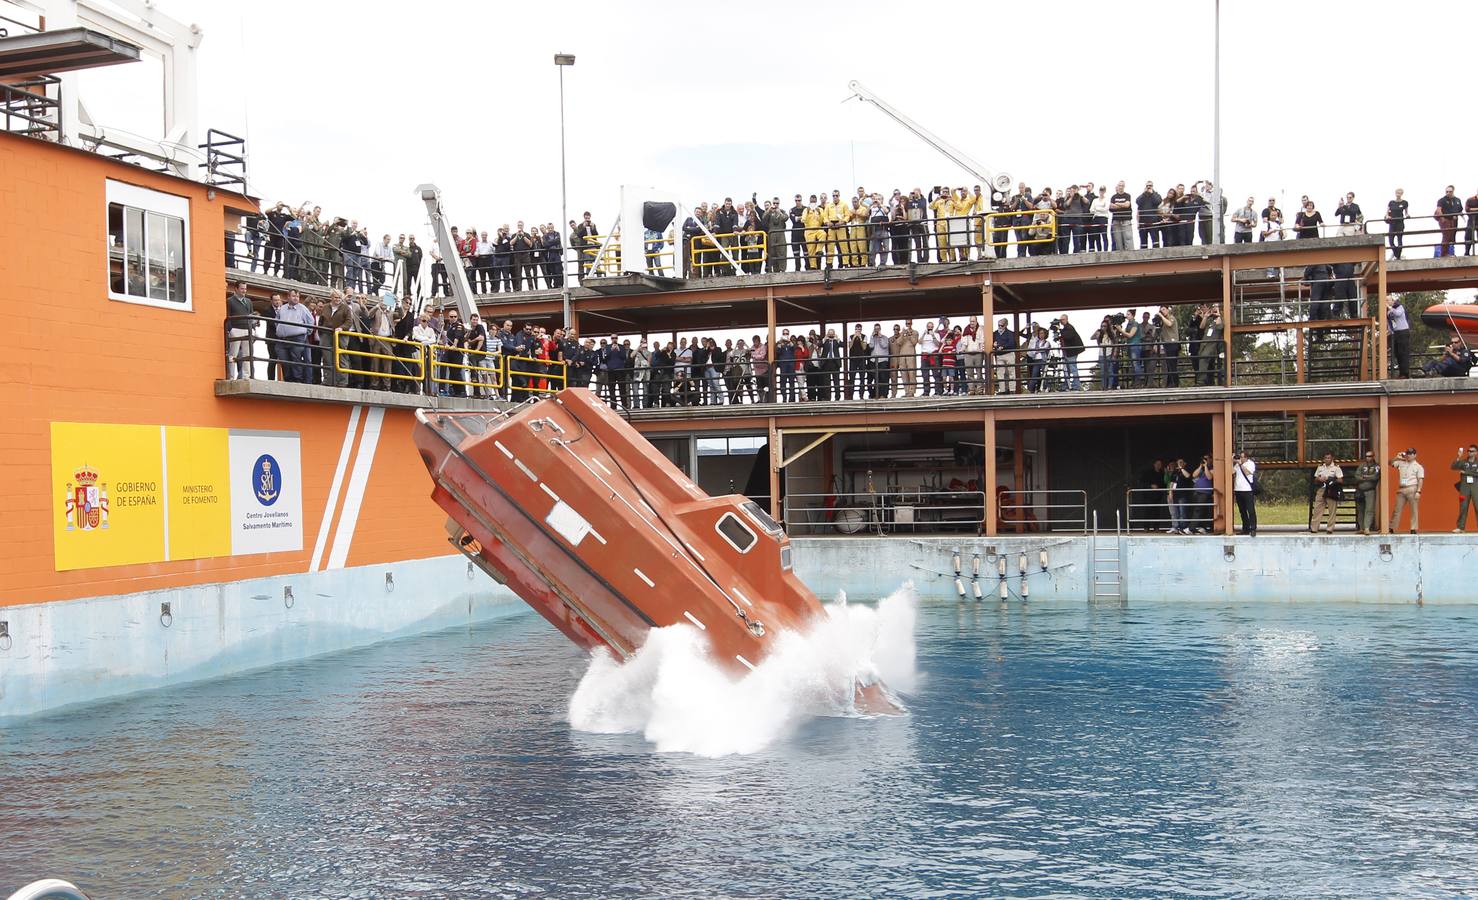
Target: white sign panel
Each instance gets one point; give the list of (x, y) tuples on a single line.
[(266, 491)]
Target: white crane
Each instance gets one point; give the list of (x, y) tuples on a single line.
[(461, 288), (1000, 182)]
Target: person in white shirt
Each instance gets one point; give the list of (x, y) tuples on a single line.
[(1244, 482), (1328, 477), (1408, 487), (972, 351), (384, 261), (929, 360)]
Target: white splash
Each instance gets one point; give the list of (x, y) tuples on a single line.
[(671, 692)]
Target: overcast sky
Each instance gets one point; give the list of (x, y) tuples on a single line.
[(352, 106)]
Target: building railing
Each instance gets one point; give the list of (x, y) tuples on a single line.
[(32, 107), (309, 258), (343, 358), (1041, 509), (1433, 236), (225, 159), (1161, 509), (885, 512)]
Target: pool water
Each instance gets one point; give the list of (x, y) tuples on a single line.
[(1148, 751)]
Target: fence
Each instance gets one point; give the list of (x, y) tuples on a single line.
[(339, 358), (885, 512), (1043, 510), (1179, 511), (32, 107)]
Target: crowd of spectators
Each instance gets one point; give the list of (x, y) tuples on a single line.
[(828, 231)]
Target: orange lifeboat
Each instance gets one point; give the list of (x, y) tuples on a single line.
[(571, 508)]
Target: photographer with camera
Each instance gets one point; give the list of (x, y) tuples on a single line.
[(1071, 343), (1212, 334), (1169, 331), (1109, 337)]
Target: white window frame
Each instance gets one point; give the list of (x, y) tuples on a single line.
[(156, 202), (727, 540)]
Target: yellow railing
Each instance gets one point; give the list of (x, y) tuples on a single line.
[(474, 375), (749, 246), (554, 376), (1041, 230), (609, 263), (477, 371), (416, 363)]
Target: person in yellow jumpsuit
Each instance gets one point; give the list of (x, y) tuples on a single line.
[(813, 220), (980, 206), (857, 232), (941, 205), (962, 207), (838, 213)]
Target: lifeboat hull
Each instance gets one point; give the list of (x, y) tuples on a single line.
[(1459, 317), (588, 523)]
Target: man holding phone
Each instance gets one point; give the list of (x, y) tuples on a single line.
[(1408, 488)]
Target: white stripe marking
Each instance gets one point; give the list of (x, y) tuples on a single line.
[(602, 466), (526, 470), (506, 452), (693, 550), (333, 492), (643, 576), (740, 594), (747, 664), (364, 460), (545, 488), (164, 482), (694, 619), (596, 534)]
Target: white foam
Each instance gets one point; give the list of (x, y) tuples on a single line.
[(672, 693)]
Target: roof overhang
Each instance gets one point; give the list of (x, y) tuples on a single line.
[(67, 50)]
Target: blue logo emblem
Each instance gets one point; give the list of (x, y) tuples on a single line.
[(266, 479)]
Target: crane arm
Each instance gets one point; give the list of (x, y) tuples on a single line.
[(456, 275), (1000, 182)]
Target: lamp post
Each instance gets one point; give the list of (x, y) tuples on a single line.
[(561, 60), (1216, 225)]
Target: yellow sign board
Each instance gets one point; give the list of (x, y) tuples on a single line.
[(199, 492), (108, 488), (127, 494)]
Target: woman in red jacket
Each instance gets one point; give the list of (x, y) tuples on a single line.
[(948, 354)]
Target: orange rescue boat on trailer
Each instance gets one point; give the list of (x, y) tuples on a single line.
[(577, 513)]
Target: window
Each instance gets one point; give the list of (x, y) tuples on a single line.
[(731, 446), (785, 558), (148, 258), (736, 532), (761, 517)]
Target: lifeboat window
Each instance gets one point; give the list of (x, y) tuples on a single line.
[(761, 517), (785, 558), (148, 256), (735, 532)]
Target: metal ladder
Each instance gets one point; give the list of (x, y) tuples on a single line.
[(1105, 568)]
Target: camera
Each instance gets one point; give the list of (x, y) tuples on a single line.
[(1056, 328), (1117, 319), (1158, 320)]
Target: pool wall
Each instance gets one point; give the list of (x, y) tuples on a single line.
[(69, 652), (1268, 568), (80, 650)]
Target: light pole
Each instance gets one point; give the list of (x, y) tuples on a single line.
[(560, 61), (1216, 226)]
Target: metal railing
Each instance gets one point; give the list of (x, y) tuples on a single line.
[(342, 358), (313, 257), (1436, 235), (33, 107), (1042, 509), (1161, 509), (225, 159), (885, 512)]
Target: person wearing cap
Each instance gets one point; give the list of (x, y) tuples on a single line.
[(1466, 466), (1408, 488), (1367, 482)]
